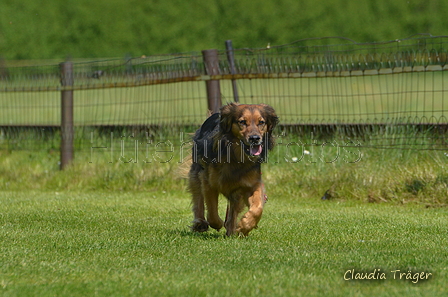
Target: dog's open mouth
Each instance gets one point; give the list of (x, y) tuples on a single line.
[(253, 149)]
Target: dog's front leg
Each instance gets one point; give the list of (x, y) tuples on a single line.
[(233, 209), (211, 200), (251, 218)]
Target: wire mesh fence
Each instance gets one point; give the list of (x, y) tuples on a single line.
[(389, 94)]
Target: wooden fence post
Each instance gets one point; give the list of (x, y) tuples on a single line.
[(211, 64), (67, 130)]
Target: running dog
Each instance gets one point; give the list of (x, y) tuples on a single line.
[(228, 151)]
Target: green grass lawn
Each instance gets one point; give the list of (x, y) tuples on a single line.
[(108, 228), (106, 243)]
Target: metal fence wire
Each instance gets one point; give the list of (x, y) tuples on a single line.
[(389, 94)]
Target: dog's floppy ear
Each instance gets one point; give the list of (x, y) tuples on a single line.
[(227, 117), (270, 117)]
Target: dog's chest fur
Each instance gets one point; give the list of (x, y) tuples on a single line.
[(227, 179)]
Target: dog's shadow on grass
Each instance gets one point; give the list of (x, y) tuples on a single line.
[(210, 235)]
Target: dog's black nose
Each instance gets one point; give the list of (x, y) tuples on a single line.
[(254, 139)]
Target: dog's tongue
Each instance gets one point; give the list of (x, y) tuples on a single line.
[(255, 150)]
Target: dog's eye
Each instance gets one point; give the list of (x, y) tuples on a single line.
[(261, 122), (242, 122)]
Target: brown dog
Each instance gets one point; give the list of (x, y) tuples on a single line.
[(227, 154)]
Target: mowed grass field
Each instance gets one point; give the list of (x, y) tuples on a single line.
[(408, 97), (139, 244), (122, 229)]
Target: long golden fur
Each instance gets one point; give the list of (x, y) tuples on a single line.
[(227, 154)]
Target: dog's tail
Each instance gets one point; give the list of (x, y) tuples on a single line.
[(184, 168)]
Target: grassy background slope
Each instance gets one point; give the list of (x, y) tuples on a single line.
[(86, 29)]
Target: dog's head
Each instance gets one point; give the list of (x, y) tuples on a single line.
[(252, 124)]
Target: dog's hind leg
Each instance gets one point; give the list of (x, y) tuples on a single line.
[(251, 218), (195, 185)]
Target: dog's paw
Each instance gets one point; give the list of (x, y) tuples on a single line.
[(245, 226), (216, 225), (242, 232), (199, 225)]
